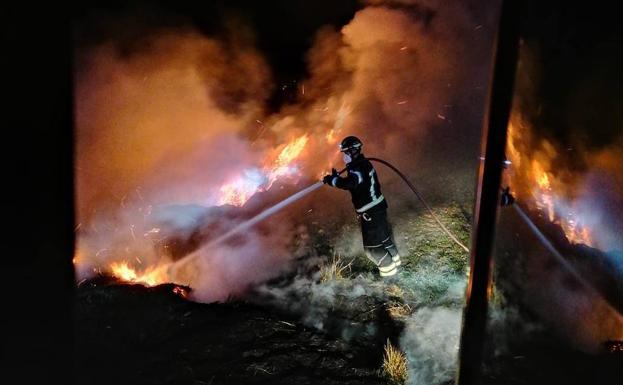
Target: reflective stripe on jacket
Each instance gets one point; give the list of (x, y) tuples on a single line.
[(363, 183)]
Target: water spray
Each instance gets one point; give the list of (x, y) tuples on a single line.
[(250, 223)]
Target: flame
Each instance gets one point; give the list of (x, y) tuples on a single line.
[(538, 182), (279, 163), (331, 137), (240, 190), (151, 276), (291, 151), (543, 191), (180, 291)]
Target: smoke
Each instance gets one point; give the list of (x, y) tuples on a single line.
[(223, 272), (402, 70), (357, 309), (599, 200), (431, 342), (569, 100), (157, 118), (432, 333)]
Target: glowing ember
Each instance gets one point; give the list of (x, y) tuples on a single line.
[(150, 277), (180, 291)]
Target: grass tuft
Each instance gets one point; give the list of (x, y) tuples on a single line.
[(398, 310), (334, 270), (394, 364)]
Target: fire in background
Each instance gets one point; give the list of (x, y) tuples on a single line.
[(566, 164)]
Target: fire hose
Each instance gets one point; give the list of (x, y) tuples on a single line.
[(419, 196)]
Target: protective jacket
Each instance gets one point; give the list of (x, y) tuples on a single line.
[(362, 182)]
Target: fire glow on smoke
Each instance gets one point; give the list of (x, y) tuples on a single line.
[(545, 189), (237, 193)]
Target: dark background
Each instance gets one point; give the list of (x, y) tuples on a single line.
[(37, 277), (283, 30), (581, 53), (579, 79)]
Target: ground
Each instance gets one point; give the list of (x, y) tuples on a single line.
[(131, 335), (325, 323)]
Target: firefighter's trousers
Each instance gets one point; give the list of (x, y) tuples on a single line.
[(378, 241)]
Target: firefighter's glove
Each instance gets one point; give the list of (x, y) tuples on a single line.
[(507, 198), (327, 179)]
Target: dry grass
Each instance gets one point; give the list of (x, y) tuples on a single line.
[(394, 364), (334, 270), (395, 291), (397, 310)]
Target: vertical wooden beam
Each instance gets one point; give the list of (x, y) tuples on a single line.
[(485, 211)]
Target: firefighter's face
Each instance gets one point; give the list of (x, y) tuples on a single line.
[(349, 154), (352, 152)]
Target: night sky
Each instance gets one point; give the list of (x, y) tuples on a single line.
[(282, 30), (580, 51)]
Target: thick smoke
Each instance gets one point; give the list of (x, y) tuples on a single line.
[(155, 120), (599, 200), (398, 75)]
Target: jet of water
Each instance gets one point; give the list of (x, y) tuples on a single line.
[(247, 224)]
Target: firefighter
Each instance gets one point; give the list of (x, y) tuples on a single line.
[(371, 207)]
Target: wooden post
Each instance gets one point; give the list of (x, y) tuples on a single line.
[(487, 199)]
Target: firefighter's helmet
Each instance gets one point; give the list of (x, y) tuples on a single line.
[(351, 144)]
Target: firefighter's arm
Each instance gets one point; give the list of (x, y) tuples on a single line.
[(352, 179)]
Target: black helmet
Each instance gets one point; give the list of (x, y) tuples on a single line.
[(351, 144)]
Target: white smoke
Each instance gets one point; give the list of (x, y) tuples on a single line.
[(431, 343)]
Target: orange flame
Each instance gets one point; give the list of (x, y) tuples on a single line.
[(291, 151), (540, 182), (151, 276), (235, 194), (239, 191)]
